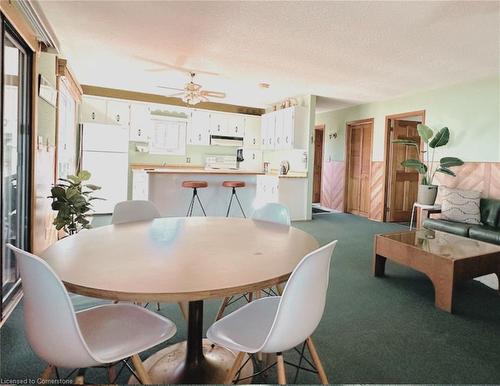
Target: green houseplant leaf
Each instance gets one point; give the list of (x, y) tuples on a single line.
[(441, 138), (448, 162), (425, 132), (445, 171), (72, 203), (415, 164)]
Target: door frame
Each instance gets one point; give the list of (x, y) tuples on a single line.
[(349, 124), (321, 127), (387, 138)]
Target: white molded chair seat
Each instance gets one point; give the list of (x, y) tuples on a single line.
[(114, 331), (134, 210), (279, 323), (97, 336), (247, 328), (273, 212)]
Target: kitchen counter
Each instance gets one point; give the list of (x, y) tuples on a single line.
[(201, 171)]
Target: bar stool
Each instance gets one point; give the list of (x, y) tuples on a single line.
[(234, 185), (195, 185)]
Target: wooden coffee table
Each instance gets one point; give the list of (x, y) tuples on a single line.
[(445, 258)]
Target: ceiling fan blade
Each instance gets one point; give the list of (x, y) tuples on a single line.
[(171, 88), (166, 66), (213, 94)]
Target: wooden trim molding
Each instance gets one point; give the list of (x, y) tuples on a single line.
[(16, 18), (64, 72), (153, 98)]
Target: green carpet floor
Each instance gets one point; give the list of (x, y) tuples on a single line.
[(374, 330)]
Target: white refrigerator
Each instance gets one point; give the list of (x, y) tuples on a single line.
[(105, 156)]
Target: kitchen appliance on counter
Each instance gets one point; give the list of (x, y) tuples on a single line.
[(284, 167), (221, 162), (239, 156)]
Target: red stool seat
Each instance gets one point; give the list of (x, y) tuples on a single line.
[(233, 184), (194, 184)]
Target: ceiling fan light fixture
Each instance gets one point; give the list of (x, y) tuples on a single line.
[(191, 98)]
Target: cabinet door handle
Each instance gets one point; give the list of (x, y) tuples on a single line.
[(93, 115), (253, 155), (254, 141), (269, 141), (286, 139), (278, 140), (199, 137), (236, 129), (139, 133)]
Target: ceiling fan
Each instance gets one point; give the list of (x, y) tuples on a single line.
[(192, 92)]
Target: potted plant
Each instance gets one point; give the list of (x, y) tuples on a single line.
[(72, 199), (427, 191)]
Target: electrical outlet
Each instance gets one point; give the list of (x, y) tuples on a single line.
[(188, 160)]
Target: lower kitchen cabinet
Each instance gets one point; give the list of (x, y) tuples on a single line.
[(289, 191)]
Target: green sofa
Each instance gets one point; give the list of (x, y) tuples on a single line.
[(488, 231)]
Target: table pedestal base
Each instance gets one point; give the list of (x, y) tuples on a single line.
[(169, 366)]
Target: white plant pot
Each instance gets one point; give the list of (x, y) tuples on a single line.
[(427, 194)]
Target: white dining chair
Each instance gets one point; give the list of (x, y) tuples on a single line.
[(271, 212), (134, 210), (140, 210), (279, 323), (98, 336)]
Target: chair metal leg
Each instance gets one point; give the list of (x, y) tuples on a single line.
[(317, 361), (141, 371), (234, 369), (281, 369)]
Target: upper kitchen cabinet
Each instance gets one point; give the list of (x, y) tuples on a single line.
[(236, 125), (285, 129), (93, 110), (252, 137), (199, 128), (140, 122), (100, 110), (219, 124), (118, 112)]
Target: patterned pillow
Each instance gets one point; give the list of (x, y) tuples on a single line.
[(460, 205)]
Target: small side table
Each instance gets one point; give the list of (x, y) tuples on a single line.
[(428, 208)]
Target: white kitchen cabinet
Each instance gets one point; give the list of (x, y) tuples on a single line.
[(168, 135), (236, 125), (199, 130), (268, 126), (140, 122), (140, 184), (118, 112), (219, 124), (285, 129), (252, 137), (93, 110), (289, 191), (252, 159)]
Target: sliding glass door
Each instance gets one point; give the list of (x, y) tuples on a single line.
[(15, 108)]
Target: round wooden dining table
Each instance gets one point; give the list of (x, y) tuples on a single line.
[(178, 260)]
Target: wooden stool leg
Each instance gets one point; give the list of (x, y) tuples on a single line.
[(141, 371), (279, 289), (79, 380), (317, 361), (47, 372), (281, 368), (222, 308), (234, 369), (250, 297)]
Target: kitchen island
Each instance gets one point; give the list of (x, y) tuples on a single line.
[(163, 186)]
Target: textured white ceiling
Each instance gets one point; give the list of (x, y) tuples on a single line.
[(347, 52)]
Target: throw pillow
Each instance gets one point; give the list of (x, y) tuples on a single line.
[(460, 205)]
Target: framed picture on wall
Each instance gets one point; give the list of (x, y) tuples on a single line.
[(46, 91)]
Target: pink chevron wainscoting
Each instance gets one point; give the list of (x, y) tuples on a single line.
[(480, 176)]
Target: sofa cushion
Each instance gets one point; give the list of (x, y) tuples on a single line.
[(485, 233), (460, 205), (490, 212), (457, 228)]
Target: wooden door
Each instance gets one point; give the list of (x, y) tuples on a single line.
[(318, 161), (403, 182), (358, 168)]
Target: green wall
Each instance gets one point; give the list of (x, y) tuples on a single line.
[(471, 110)]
